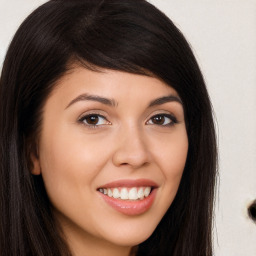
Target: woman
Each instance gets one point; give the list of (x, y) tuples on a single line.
[(107, 137)]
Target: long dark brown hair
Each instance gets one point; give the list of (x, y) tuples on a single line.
[(126, 35)]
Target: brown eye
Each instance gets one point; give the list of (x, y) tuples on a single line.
[(93, 120), (163, 120), (158, 120)]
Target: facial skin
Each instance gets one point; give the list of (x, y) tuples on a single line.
[(130, 140)]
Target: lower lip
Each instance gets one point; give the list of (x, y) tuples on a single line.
[(129, 207)]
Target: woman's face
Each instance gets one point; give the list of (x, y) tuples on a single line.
[(109, 133)]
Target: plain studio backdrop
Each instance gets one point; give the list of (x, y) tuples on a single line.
[(222, 34)]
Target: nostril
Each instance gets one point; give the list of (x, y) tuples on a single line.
[(252, 211)]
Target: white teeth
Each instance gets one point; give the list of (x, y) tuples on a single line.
[(124, 194), (127, 193), (110, 192), (140, 193), (133, 194), (147, 191), (116, 193)]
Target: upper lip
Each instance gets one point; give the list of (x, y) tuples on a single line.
[(128, 183)]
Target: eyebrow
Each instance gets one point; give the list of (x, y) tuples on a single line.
[(113, 103), (165, 99), (88, 97)]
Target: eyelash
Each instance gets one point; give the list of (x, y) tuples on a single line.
[(93, 126), (173, 120)]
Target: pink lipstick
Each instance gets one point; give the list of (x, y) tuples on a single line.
[(130, 197)]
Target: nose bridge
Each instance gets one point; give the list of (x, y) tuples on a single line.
[(131, 147)]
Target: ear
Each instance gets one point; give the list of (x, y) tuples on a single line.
[(35, 167)]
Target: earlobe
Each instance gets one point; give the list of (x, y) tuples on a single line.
[(35, 167)]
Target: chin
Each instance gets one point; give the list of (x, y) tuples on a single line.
[(132, 237)]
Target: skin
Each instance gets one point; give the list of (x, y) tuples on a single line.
[(75, 158)]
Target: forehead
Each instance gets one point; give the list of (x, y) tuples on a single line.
[(111, 84)]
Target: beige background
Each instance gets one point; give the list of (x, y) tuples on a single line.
[(223, 36)]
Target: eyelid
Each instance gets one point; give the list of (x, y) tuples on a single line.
[(93, 113), (172, 117)]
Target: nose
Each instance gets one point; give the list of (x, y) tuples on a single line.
[(131, 149)]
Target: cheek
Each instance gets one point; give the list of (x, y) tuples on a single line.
[(68, 163), (171, 160), (173, 154), (174, 160)]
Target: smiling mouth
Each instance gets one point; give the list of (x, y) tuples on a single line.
[(129, 197), (127, 193)]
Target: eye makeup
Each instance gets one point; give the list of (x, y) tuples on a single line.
[(162, 119)]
